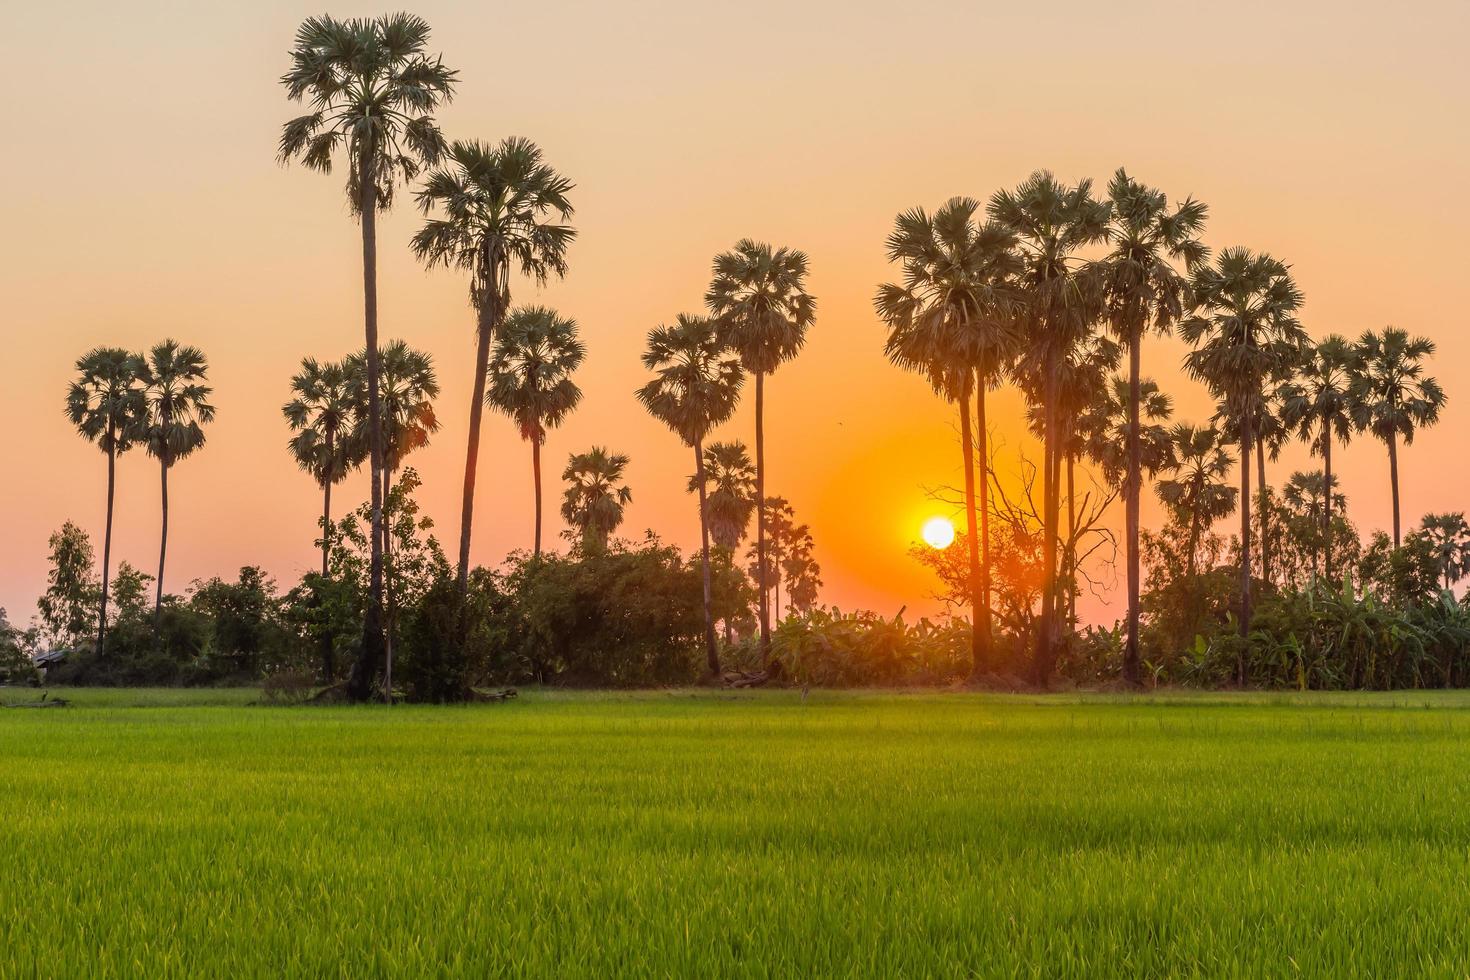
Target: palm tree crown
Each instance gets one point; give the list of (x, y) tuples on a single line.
[(1198, 466), (177, 400), (1392, 396), (1103, 427), (595, 496), (322, 413), (409, 386), (531, 366), (759, 296), (730, 482), (105, 402), (1317, 405), (948, 320), (372, 89), (500, 206), (697, 379), (1245, 329)]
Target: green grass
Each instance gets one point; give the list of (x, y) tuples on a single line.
[(686, 834)]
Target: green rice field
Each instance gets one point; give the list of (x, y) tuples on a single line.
[(695, 834)]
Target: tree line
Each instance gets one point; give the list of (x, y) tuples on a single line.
[(1049, 287)]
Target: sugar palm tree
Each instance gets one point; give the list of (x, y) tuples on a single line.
[(758, 293), (1194, 487), (1081, 385), (320, 412), (1104, 425), (593, 502), (729, 481), (696, 386), (1306, 492), (372, 89), (1060, 299), (501, 207), (530, 380), (408, 385), (1392, 397), (1243, 331), (949, 320), (105, 404), (1317, 406), (408, 388), (1449, 534), (1153, 248), (176, 410)]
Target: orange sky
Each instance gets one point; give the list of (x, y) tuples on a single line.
[(141, 199)]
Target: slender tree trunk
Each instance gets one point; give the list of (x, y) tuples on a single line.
[(1189, 559), (1393, 476), (1045, 629), (1245, 538), (760, 515), (972, 542), (1132, 491), (982, 504), (711, 652), (162, 543), (489, 316), (1265, 514), (1327, 503), (327, 507), (107, 535), (1071, 539), (390, 619), (536, 481), (776, 587), (360, 682)]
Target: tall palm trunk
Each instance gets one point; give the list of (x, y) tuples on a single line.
[(1327, 501), (327, 506), (488, 318), (1071, 538), (967, 448), (107, 534), (1132, 491), (1245, 537), (760, 515), (982, 503), (360, 681), (390, 619), (162, 540), (1393, 477), (536, 481), (1049, 507), (1265, 515), (712, 656)]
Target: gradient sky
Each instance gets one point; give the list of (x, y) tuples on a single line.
[(141, 199)]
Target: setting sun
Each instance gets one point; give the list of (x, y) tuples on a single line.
[(938, 532)]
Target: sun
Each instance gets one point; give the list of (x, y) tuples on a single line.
[(938, 532)]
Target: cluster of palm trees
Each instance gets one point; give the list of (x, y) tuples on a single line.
[(159, 400), (371, 89), (759, 312), (1048, 286)]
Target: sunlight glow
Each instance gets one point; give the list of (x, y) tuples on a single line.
[(938, 532)]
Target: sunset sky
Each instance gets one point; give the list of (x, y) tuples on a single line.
[(142, 199)]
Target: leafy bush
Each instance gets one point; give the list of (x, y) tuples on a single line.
[(624, 617), (830, 648), (449, 647)]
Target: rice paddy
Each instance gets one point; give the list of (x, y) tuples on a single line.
[(168, 833)]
